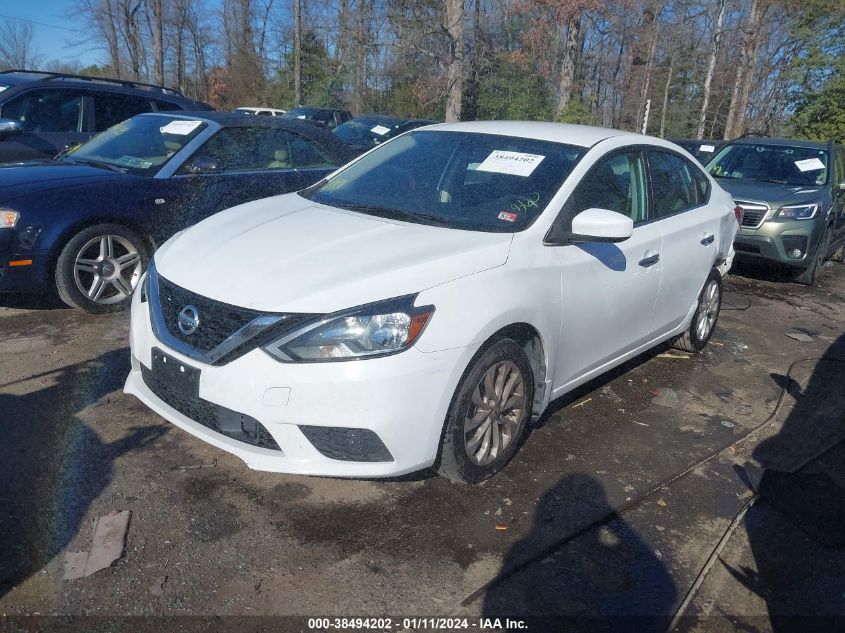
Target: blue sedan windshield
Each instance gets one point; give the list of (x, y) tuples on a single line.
[(462, 180), (140, 145)]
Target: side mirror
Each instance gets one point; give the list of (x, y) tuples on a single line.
[(10, 127), (203, 165), (600, 225)]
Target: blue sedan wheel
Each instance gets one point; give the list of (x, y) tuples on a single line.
[(100, 267)]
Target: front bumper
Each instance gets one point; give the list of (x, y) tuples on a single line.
[(773, 240), (402, 399)]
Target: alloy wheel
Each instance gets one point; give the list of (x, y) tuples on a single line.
[(708, 311), (495, 413), (107, 268)]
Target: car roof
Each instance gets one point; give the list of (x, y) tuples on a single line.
[(783, 142), (581, 135)]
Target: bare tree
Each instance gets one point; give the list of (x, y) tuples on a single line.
[(711, 66), (455, 68), (16, 48)]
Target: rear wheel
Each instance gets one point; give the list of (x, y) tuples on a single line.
[(99, 267), (704, 320), (488, 414), (809, 275)]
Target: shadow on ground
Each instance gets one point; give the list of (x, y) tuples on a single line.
[(52, 464), (608, 571)]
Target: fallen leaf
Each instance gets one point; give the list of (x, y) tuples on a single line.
[(661, 503)]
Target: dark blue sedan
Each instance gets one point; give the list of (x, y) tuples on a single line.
[(87, 224)]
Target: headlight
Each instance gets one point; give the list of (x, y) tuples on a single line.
[(376, 329), (798, 212), (8, 218)]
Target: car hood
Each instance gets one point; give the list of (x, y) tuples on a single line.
[(18, 179), (288, 254), (775, 194)]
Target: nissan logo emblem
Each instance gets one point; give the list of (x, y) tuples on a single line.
[(188, 320)]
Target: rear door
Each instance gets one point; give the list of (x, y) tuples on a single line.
[(608, 290), (689, 226)]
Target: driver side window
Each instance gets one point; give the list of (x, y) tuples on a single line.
[(617, 183)]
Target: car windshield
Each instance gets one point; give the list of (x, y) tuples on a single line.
[(140, 145), (366, 131), (461, 180), (800, 166)]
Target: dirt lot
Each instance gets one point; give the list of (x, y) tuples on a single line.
[(612, 508)]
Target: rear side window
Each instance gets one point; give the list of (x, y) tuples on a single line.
[(305, 154), (112, 109), (166, 106), (46, 111), (675, 184)]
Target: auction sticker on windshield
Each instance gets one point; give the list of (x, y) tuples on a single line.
[(514, 163), (809, 164), (380, 130), (182, 128)]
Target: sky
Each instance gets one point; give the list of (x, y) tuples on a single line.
[(56, 37)]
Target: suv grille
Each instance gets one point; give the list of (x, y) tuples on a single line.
[(753, 213)]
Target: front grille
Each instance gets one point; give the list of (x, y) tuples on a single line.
[(212, 416), (753, 213), (349, 445), (217, 320)]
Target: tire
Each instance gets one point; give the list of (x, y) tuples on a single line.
[(98, 269), (839, 254), (470, 454), (809, 275), (706, 315)]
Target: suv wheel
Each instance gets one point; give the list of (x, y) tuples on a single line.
[(98, 269), (488, 414), (809, 275), (704, 320)]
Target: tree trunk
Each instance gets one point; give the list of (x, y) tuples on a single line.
[(642, 59), (297, 52), (158, 41), (567, 64), (360, 87), (745, 70), (666, 97), (455, 69), (111, 38), (711, 67)]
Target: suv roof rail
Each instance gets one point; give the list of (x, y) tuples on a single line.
[(48, 75), (749, 134)]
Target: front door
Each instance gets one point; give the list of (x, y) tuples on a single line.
[(608, 289)]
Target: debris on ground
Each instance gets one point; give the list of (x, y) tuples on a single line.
[(581, 404), (665, 397), (107, 546), (675, 356), (801, 337), (502, 528), (608, 391), (661, 503), (158, 586), (728, 424), (808, 331)]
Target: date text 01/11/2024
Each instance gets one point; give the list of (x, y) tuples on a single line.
[(416, 623)]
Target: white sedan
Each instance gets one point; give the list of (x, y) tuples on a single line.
[(422, 305)]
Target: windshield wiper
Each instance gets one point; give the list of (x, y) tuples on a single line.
[(397, 214), (95, 163)]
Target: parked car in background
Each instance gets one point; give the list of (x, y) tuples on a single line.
[(424, 303), (327, 117), (260, 111), (87, 224), (368, 130), (792, 193), (44, 113), (703, 150)]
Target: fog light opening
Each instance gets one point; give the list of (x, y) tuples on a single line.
[(795, 253)]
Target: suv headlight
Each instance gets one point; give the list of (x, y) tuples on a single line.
[(376, 329), (798, 212), (8, 218)]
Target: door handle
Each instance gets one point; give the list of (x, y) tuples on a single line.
[(650, 259), (707, 240)]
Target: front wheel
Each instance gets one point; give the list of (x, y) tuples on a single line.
[(810, 275), (488, 414), (704, 320), (99, 267)]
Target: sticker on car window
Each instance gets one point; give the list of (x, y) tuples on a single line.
[(513, 163), (707, 148), (380, 130), (809, 164), (181, 128), (507, 216)]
